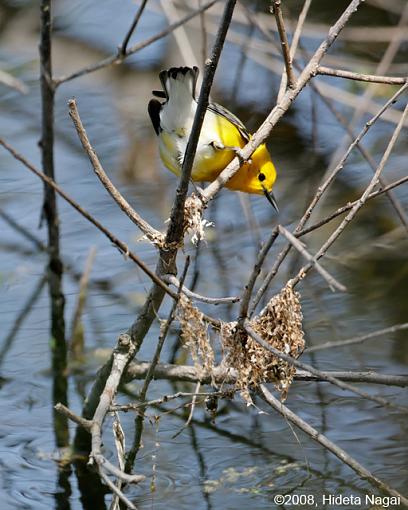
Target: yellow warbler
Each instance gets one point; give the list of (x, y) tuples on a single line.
[(221, 138)]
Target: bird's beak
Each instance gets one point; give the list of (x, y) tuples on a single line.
[(271, 199)]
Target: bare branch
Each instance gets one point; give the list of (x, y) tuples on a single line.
[(132, 28), (265, 129), (117, 242), (294, 45), (247, 293), (358, 339), (349, 206), (329, 445), (117, 59), (277, 11), (333, 283), (319, 193), (223, 375), (177, 213), (372, 78), (173, 280), (359, 203), (153, 235), (312, 370)]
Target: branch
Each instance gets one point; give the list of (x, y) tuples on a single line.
[(176, 225), (173, 280), (358, 339), (118, 59), (294, 45), (277, 11), (265, 129), (153, 235), (349, 206), (117, 242), (372, 78), (333, 283), (122, 354), (329, 445), (359, 203), (319, 193), (123, 47), (314, 371), (224, 375), (164, 330), (247, 293)]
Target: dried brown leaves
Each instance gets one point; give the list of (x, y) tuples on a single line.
[(279, 324), (194, 334)]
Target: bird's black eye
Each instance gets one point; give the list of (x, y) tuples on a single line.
[(261, 177)]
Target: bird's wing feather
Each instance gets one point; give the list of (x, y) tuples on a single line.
[(154, 108), (220, 110)]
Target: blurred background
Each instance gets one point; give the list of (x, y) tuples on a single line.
[(242, 459)]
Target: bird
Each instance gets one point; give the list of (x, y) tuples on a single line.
[(222, 136)]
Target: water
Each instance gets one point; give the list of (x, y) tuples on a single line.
[(244, 458)]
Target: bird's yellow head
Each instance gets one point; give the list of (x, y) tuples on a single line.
[(264, 169), (258, 175)]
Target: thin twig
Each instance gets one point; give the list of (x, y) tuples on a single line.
[(164, 330), (123, 47), (320, 191), (372, 78), (278, 111), (277, 11), (133, 406), (153, 235), (294, 44), (117, 242), (173, 280), (350, 205), (177, 212), (191, 414), (115, 59), (357, 340), (326, 443), (116, 490), (359, 203), (333, 283), (247, 293), (312, 370), (167, 260), (121, 357)]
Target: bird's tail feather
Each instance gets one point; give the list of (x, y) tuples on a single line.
[(178, 81)]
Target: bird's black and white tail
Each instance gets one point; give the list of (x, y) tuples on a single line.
[(177, 112), (179, 82)]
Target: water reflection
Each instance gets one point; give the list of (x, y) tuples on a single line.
[(242, 458)]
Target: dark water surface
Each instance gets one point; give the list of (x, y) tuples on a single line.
[(245, 458)]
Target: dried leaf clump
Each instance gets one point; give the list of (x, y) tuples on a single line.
[(279, 324), (194, 334), (193, 219)]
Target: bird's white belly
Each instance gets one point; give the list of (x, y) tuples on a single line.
[(205, 148)]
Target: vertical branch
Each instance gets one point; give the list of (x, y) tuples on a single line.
[(132, 28), (167, 262), (50, 213), (175, 230), (277, 11)]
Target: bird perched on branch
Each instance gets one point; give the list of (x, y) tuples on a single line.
[(222, 136)]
